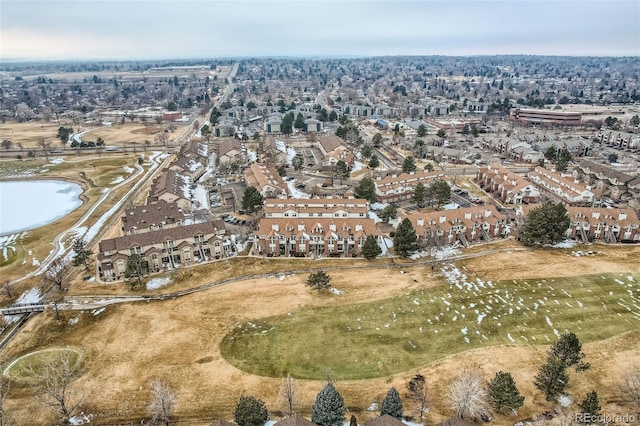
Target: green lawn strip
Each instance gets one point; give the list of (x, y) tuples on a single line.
[(393, 335)]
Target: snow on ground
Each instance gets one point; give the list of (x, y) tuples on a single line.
[(336, 291), (564, 400), (357, 166), (295, 192), (379, 206), (565, 244), (156, 283), (438, 253), (385, 245), (374, 216), (253, 156), (81, 419), (201, 197), (117, 180), (128, 169), (450, 206), (30, 296), (56, 160)]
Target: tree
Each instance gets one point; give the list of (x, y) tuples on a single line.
[(419, 193), (162, 138), (417, 388), (252, 200), (405, 240), (289, 396), (137, 267), (613, 157), (162, 403), (287, 124), (392, 404), (408, 165), (635, 121), (54, 378), (428, 167), (57, 272), (366, 151), (7, 144), (563, 160), (319, 280), (422, 130), (333, 116), (366, 189), (299, 123), (388, 212), (342, 171), (503, 394), (371, 249), (631, 384), (546, 224), (374, 162), (82, 255), (376, 140), (468, 396), (440, 191), (206, 132), (590, 405), (474, 131), (551, 153), (441, 134), (566, 352), (329, 409), (250, 411), (297, 162)]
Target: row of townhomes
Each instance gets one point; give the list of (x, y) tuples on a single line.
[(397, 187), (610, 182), (623, 141), (564, 188), (465, 225), (316, 227), (604, 225), (507, 186), (265, 178)]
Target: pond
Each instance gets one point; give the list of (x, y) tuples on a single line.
[(30, 204)]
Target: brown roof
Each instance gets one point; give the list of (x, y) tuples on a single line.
[(152, 214), (155, 237), (504, 176), (385, 420), (168, 181), (294, 421), (227, 145), (301, 226), (467, 216), (261, 175), (608, 172), (330, 142)]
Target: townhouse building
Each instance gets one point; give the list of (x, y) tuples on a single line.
[(507, 186), (172, 187), (164, 249), (609, 181), (561, 187), (590, 224), (465, 225), (152, 217), (395, 188), (265, 178)]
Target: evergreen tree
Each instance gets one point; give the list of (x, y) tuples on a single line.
[(422, 130), (405, 240), (568, 350), (409, 165), (342, 170), (333, 116), (374, 162), (299, 123), (329, 409), (440, 191), (82, 254), (252, 200), (366, 151), (504, 396), (250, 411), (545, 224), (366, 189), (137, 267), (419, 194), (591, 404), (377, 139), (392, 404), (371, 249), (388, 213), (563, 160), (297, 161), (319, 280)]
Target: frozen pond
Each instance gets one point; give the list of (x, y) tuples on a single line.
[(31, 204)]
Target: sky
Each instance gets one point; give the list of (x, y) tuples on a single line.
[(160, 29)]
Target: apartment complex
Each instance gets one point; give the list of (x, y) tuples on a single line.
[(266, 180), (604, 225), (609, 181), (464, 225), (395, 188), (507, 186), (315, 208), (152, 217), (560, 187)]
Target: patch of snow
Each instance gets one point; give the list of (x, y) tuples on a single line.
[(464, 330), (549, 321), (336, 291), (565, 244), (295, 192), (117, 180), (56, 160), (74, 320), (511, 339), (481, 317), (128, 169), (30, 296), (373, 406), (357, 166), (98, 311), (156, 283), (564, 400)]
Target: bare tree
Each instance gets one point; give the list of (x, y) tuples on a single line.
[(57, 272), (289, 396), (417, 388), (468, 396), (54, 378), (631, 384), (163, 402), (162, 138), (7, 144)]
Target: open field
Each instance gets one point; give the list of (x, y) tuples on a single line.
[(29, 134), (179, 339), (389, 336)]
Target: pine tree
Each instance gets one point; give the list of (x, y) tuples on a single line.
[(371, 249), (552, 379), (250, 411), (504, 396), (568, 350), (441, 191), (366, 189), (329, 409), (591, 404), (408, 165), (392, 404), (546, 224), (252, 200), (319, 280), (419, 193), (405, 240), (374, 161)]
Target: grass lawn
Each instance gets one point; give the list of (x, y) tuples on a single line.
[(390, 336), (21, 368)]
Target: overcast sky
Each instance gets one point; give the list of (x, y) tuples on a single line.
[(145, 29)]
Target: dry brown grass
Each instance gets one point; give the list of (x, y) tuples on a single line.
[(178, 340)]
